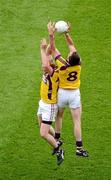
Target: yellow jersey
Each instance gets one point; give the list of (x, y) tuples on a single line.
[(69, 76), (49, 87)]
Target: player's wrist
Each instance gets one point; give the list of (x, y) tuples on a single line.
[(66, 33), (51, 34), (43, 47)]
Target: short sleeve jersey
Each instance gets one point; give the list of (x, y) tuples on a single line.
[(49, 87), (69, 76)]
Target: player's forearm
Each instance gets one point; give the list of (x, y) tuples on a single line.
[(52, 42), (44, 57), (69, 39), (48, 50), (70, 43), (54, 50), (45, 62)]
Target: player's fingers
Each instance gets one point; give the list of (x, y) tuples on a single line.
[(49, 23), (54, 29), (69, 24), (43, 41), (53, 24), (40, 41)]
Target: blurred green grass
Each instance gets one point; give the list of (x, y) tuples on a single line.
[(23, 154)]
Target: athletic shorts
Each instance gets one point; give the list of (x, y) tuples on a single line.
[(47, 112), (70, 98)]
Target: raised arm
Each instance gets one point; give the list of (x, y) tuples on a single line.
[(51, 30), (70, 42), (45, 58)]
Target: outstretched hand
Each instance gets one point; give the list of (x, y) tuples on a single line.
[(69, 27), (51, 28), (43, 44)]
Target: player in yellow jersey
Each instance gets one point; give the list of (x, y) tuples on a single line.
[(69, 84), (48, 104)]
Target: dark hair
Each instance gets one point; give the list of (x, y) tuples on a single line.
[(74, 59)]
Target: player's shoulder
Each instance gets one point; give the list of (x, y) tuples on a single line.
[(60, 59)]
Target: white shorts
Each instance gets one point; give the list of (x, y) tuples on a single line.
[(46, 111), (70, 98)]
